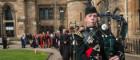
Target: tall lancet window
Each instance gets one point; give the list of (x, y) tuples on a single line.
[(7, 13), (8, 24)]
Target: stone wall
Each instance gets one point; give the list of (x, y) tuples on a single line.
[(133, 17), (20, 17), (31, 25), (17, 7), (75, 12), (25, 13)]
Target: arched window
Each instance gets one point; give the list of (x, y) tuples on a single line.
[(9, 20), (61, 13), (7, 13)]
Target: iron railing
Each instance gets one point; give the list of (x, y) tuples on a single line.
[(132, 46)]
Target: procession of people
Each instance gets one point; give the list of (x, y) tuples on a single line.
[(89, 42)]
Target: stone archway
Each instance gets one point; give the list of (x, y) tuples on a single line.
[(8, 20)]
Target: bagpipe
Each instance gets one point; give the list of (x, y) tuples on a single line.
[(109, 40), (107, 35)]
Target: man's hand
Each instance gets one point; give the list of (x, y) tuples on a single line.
[(114, 58), (65, 42)]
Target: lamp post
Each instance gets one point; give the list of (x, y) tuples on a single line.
[(62, 15)]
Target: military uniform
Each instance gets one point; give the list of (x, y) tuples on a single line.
[(93, 42), (65, 46), (77, 46), (96, 45), (82, 44)]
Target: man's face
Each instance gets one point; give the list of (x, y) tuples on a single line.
[(91, 19)]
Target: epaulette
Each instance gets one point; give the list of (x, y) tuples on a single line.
[(79, 34)]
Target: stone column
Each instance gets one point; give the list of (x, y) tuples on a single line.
[(31, 26), (132, 21), (1, 22), (19, 16), (75, 10)]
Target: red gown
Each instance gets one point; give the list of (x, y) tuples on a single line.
[(41, 41)]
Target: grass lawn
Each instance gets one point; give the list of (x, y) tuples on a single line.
[(18, 54)]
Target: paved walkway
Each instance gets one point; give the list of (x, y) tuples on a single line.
[(132, 57), (54, 54)]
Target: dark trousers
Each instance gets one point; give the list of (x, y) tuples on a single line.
[(66, 52), (4, 46), (23, 45)]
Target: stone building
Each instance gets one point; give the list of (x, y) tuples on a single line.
[(130, 9), (18, 17)]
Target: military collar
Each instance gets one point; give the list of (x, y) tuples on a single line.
[(88, 29)]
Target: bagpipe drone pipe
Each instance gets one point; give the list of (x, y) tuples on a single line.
[(122, 29)]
